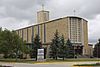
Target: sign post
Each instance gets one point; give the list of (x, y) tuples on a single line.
[(40, 55)]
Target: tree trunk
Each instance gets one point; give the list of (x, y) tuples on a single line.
[(56, 57), (63, 57), (16, 56)]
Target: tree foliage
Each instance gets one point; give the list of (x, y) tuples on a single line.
[(70, 49), (60, 48), (97, 50), (36, 44), (54, 48), (11, 43)]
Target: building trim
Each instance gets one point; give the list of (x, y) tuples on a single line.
[(68, 21), (32, 37), (82, 33), (27, 34), (70, 28), (44, 33), (18, 32), (33, 32), (38, 30), (41, 33), (77, 33), (22, 35), (50, 21)]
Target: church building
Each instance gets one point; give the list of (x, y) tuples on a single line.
[(71, 27)]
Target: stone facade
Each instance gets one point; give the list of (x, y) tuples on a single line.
[(72, 27), (42, 16)]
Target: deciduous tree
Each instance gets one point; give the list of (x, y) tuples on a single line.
[(11, 43)]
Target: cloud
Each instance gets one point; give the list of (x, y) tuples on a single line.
[(22, 4), (90, 9), (12, 23), (61, 8), (20, 13), (94, 29), (17, 13)]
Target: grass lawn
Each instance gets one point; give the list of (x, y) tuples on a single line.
[(74, 60), (18, 60), (48, 61)]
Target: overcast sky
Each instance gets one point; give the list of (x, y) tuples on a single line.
[(15, 14)]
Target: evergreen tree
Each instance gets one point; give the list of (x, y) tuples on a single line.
[(54, 48), (36, 45), (62, 48), (97, 50), (70, 49)]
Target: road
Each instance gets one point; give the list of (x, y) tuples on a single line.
[(59, 64)]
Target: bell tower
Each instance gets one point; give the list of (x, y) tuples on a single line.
[(42, 15)]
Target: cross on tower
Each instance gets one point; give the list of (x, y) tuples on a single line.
[(74, 12), (42, 5)]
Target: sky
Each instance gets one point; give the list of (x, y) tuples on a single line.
[(16, 14)]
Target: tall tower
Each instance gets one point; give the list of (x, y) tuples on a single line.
[(42, 15)]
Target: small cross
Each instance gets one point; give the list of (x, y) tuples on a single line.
[(74, 12), (42, 6)]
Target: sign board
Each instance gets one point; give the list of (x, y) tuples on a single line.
[(40, 55)]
